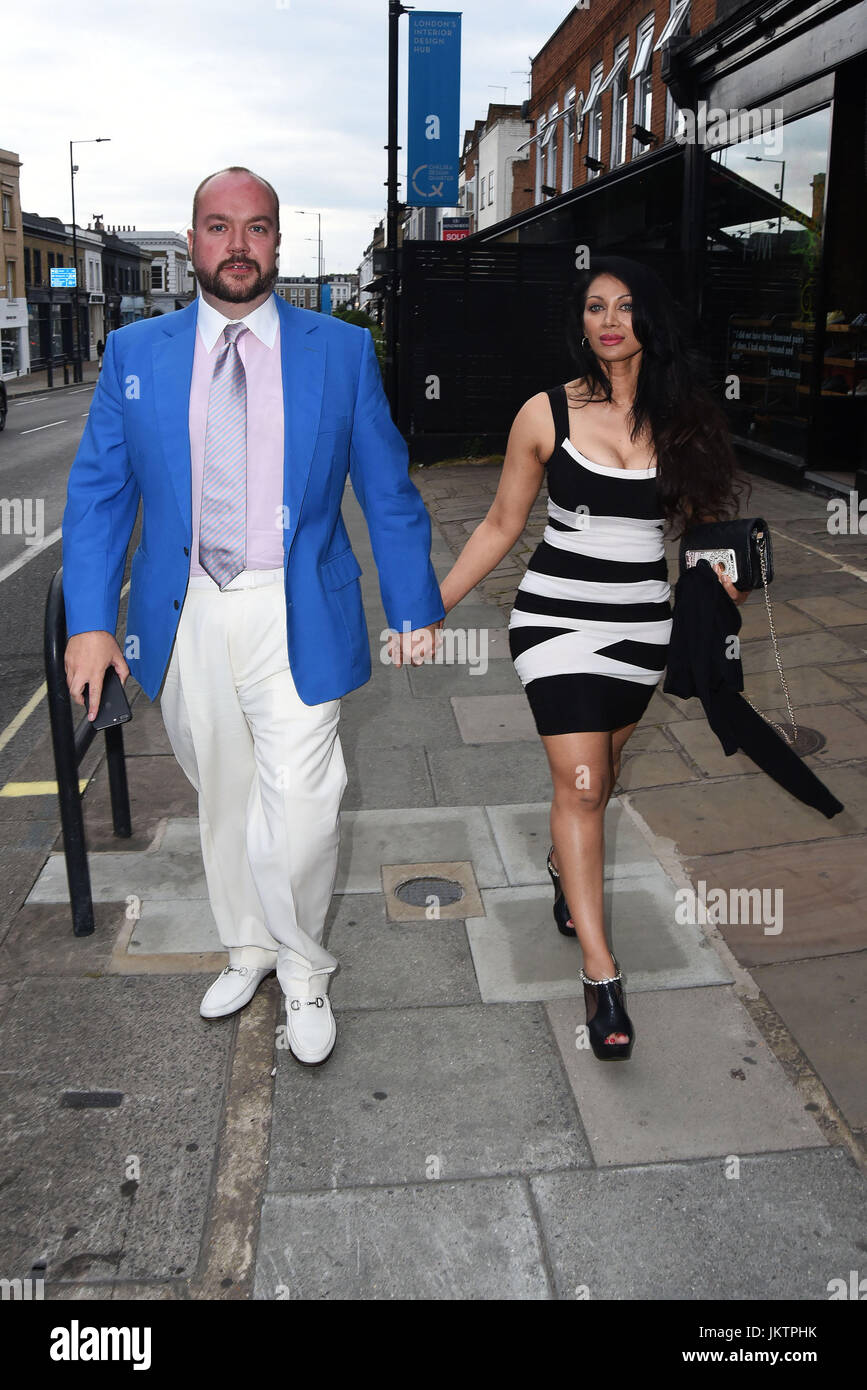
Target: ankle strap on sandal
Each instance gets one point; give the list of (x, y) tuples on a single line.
[(609, 980)]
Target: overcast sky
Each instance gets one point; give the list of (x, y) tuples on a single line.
[(296, 91)]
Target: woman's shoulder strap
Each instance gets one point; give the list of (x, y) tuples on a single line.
[(560, 412)]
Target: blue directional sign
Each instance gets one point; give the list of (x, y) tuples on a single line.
[(62, 277), (433, 135)]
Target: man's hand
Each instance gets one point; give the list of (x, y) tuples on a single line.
[(88, 656), (738, 596), (416, 647)]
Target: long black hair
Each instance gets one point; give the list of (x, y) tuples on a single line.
[(697, 473)]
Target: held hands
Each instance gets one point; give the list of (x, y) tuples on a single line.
[(416, 647), (737, 596), (88, 656)]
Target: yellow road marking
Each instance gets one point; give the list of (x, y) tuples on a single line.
[(37, 788)]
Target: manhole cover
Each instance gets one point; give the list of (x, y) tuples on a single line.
[(417, 891), (808, 740)]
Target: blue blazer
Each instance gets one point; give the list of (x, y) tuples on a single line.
[(136, 444)]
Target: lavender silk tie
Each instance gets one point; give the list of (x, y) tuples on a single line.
[(223, 519)]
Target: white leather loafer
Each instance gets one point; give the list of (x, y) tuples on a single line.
[(231, 990), (310, 1028)]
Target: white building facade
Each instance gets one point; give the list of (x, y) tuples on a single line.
[(498, 150), (173, 283), (14, 336)]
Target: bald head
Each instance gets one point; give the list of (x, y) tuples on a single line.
[(237, 178)]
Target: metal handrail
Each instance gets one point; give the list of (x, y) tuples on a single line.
[(70, 745)]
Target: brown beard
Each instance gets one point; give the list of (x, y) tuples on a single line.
[(241, 293)]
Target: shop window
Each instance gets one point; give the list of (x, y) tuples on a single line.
[(765, 228), (10, 351), (56, 328)]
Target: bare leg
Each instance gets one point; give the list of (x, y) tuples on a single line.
[(584, 768)]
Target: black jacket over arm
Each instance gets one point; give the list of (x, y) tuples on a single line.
[(705, 619)]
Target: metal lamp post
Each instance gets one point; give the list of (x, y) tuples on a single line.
[(764, 159), (77, 374), (303, 212)]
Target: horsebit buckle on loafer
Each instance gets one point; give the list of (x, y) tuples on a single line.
[(318, 1001)]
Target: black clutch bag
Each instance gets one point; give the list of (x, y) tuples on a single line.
[(742, 546)]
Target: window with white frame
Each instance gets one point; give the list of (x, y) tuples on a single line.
[(157, 276), (10, 279), (619, 102), (482, 198), (568, 139), (540, 129), (678, 22), (549, 143), (592, 110), (7, 210), (642, 75), (490, 187)]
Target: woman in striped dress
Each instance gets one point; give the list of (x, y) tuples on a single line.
[(635, 441)]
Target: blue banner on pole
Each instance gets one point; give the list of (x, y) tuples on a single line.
[(433, 135), (325, 295)]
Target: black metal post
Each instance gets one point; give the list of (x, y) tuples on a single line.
[(117, 783), (66, 761), (395, 10), (70, 745), (693, 238), (77, 374), (49, 356)]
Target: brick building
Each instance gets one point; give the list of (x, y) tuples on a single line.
[(723, 142)]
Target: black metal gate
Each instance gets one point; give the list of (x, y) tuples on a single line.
[(482, 328)]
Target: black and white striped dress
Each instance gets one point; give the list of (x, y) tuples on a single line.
[(591, 622)]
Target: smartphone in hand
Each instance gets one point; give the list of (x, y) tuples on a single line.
[(113, 704)]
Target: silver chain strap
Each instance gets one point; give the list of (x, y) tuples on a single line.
[(789, 738)]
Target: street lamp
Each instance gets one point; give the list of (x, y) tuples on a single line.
[(302, 212), (763, 159), (77, 374)]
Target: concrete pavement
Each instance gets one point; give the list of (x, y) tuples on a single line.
[(461, 1142)]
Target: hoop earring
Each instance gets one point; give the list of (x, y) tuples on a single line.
[(584, 341)]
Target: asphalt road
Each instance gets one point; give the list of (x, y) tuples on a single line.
[(37, 448)]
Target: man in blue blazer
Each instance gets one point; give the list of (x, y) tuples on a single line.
[(234, 423)]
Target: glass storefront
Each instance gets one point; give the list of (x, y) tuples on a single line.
[(764, 226), (56, 325), (10, 351), (779, 348), (34, 331)]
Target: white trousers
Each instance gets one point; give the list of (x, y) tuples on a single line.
[(268, 769)]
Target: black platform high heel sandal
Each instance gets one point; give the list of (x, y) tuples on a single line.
[(562, 914), (606, 1014)]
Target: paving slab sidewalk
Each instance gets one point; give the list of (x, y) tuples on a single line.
[(462, 1141)]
